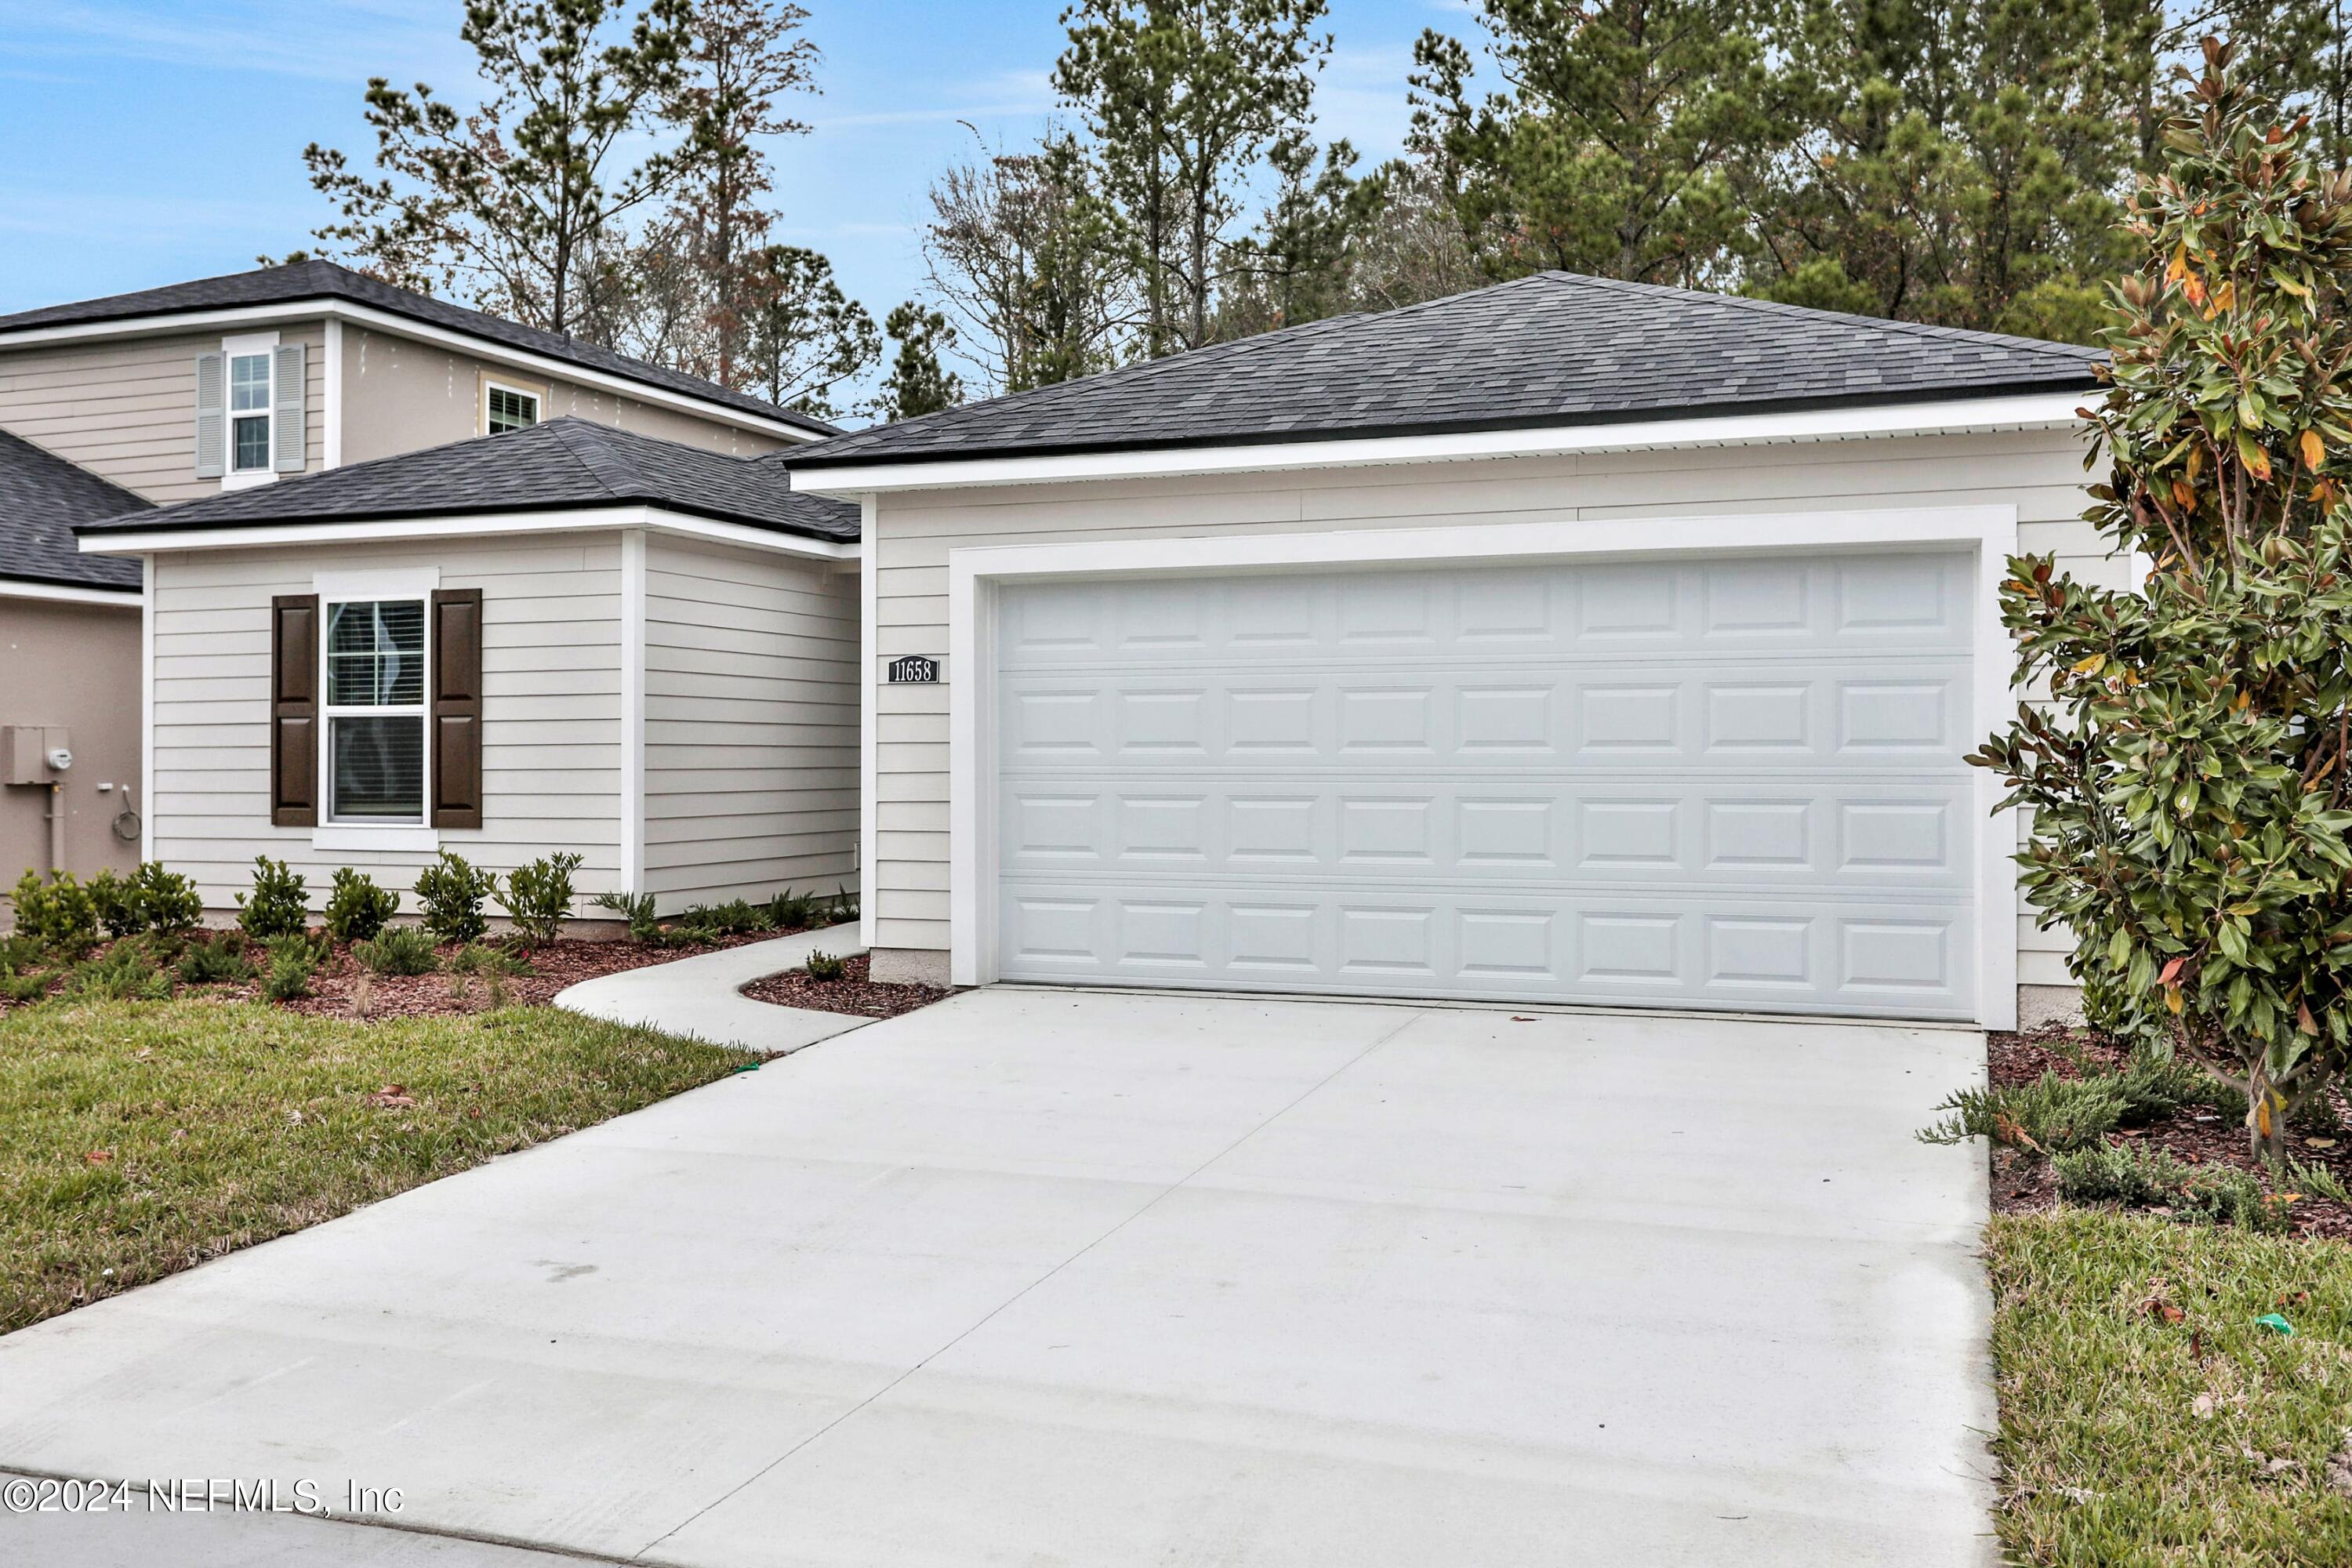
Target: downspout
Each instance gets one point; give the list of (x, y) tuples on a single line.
[(57, 828)]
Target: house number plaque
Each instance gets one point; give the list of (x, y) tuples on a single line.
[(914, 669)]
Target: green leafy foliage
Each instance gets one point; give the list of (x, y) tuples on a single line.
[(449, 893), (168, 900), (826, 967), (124, 973), (279, 902), (357, 908), (2190, 793), (2045, 1116), (789, 910), (637, 909), (398, 950), (538, 897), (120, 909), (2135, 1177), (225, 956), (480, 958), (293, 964), (59, 915)]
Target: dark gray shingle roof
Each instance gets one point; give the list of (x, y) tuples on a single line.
[(558, 466), (1551, 349), (304, 281), (42, 497)]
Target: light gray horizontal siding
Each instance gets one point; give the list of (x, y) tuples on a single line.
[(126, 409), (2041, 474), (551, 708), (751, 727)]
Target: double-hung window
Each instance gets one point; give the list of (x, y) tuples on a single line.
[(375, 710), (506, 408), (249, 412)]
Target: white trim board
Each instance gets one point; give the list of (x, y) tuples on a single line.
[(146, 804), (485, 525), (2041, 411), (633, 712), (487, 350), (975, 572), (870, 599), (67, 593)]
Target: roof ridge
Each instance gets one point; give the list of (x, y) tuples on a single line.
[(2071, 352), (583, 441)]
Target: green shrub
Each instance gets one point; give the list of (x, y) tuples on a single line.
[(357, 908), (538, 897), (826, 967), (59, 915), (277, 903), (637, 909), (127, 972), (789, 910), (29, 987), (2135, 1177), (844, 907), (2049, 1116), (120, 907), (398, 950), (449, 894), (19, 951), (169, 901), (288, 979), (480, 958), (225, 956)]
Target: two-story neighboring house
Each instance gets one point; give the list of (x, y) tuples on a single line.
[(222, 391)]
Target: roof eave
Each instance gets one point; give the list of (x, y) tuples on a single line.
[(125, 536), (1842, 419)]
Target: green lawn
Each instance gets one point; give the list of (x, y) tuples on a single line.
[(137, 1139), (2128, 1437)]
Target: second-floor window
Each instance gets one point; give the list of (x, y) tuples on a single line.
[(506, 408), (249, 412)]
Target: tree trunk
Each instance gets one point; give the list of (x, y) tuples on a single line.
[(2265, 1121)]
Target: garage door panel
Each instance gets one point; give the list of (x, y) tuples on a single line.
[(1732, 783), (1616, 947), (1817, 834), (1915, 603)]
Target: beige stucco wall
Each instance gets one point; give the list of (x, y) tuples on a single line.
[(78, 666), (126, 408), (2041, 474), (400, 394)]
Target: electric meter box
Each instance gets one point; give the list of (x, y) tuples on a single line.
[(24, 752)]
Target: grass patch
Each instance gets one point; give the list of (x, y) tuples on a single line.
[(2146, 1416), (138, 1139)]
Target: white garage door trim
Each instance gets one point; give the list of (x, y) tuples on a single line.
[(975, 572)]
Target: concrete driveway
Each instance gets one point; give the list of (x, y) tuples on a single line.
[(1043, 1278)]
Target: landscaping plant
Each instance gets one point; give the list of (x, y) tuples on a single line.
[(538, 897), (637, 909), (125, 973), (119, 903), (223, 957), (168, 901), (449, 893), (398, 950), (278, 904), (60, 914), (826, 967), (2192, 790), (356, 907)]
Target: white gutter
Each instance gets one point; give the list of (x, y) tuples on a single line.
[(2037, 411), (63, 594), (368, 316), (486, 525)]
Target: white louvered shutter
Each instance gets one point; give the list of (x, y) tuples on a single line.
[(287, 390), (211, 419)]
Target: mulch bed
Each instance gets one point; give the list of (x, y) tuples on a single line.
[(2195, 1134), (853, 993)]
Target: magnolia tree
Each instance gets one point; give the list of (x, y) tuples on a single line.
[(2190, 779)]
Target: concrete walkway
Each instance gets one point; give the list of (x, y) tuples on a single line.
[(701, 997), (1036, 1277)]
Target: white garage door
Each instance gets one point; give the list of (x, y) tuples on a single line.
[(1723, 782)]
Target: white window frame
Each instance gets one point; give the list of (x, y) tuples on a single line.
[(374, 588), (537, 401), (232, 350), (976, 572)]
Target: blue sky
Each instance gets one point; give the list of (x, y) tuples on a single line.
[(144, 142)]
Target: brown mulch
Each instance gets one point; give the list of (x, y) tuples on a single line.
[(2195, 1134), (853, 993)]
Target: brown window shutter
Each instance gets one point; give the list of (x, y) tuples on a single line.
[(294, 710), (457, 708)]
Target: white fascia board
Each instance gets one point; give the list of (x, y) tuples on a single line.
[(368, 316), (487, 525), (2040, 411), (64, 593)]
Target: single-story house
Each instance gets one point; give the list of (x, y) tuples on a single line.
[(1571, 640), (69, 671), (568, 637)]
